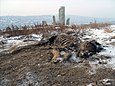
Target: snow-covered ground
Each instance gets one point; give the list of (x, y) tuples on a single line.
[(11, 43), (104, 38)]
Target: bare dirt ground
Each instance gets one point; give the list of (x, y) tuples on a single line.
[(30, 67)]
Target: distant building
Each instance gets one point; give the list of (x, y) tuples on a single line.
[(62, 15)]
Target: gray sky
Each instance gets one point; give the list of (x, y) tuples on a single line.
[(92, 8)]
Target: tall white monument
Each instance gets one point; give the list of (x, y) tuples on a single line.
[(62, 15)]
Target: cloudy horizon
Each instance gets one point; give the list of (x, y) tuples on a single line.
[(91, 8)]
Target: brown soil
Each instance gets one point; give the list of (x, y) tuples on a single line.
[(34, 59)]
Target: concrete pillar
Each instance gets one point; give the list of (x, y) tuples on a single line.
[(68, 21), (54, 20), (44, 23), (62, 15)]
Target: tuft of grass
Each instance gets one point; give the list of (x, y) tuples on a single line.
[(108, 30), (113, 37)]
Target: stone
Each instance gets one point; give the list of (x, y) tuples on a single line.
[(68, 21), (62, 15)]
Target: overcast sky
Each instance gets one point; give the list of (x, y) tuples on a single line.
[(92, 8)]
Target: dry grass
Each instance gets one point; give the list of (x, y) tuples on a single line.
[(113, 37), (34, 29), (98, 25), (108, 30)]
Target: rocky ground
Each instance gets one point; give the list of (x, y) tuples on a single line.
[(32, 66)]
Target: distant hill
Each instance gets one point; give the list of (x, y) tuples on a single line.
[(29, 20), (83, 19)]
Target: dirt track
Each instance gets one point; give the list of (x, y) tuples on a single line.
[(30, 67)]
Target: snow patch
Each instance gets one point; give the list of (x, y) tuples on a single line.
[(107, 82), (91, 84), (17, 41), (103, 38), (109, 51)]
